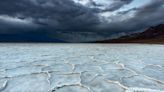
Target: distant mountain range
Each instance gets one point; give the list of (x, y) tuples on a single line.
[(151, 35)]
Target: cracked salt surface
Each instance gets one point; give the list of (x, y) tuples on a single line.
[(81, 68)]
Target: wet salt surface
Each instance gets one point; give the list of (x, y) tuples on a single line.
[(81, 68)]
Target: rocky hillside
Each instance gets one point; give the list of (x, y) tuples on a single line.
[(151, 35)]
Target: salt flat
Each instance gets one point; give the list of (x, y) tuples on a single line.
[(81, 68)]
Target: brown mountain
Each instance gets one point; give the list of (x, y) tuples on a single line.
[(151, 35)]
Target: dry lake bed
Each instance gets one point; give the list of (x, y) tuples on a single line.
[(81, 68)]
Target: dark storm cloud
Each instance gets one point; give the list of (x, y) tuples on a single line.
[(57, 14), (144, 17), (150, 15), (117, 4), (61, 18), (127, 11)]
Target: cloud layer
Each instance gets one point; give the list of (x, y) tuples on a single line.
[(78, 20)]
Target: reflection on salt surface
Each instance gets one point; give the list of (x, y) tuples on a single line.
[(81, 68)]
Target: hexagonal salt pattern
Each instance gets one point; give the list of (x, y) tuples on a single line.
[(81, 68)]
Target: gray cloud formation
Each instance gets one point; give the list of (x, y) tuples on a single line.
[(117, 4), (58, 14), (62, 18), (146, 16)]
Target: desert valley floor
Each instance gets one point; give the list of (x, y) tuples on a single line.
[(81, 67)]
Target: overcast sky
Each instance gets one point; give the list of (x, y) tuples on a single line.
[(79, 20)]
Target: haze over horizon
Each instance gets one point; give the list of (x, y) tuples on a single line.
[(76, 20)]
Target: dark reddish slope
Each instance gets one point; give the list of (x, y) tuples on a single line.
[(151, 35)]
